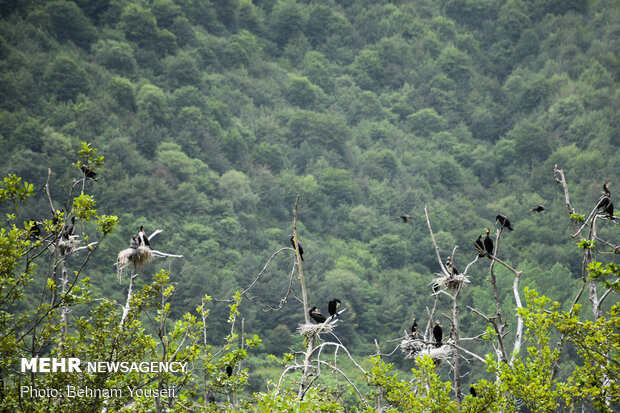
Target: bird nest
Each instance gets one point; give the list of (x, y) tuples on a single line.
[(136, 256), (309, 330), (68, 246), (451, 282), (438, 353), (411, 346)]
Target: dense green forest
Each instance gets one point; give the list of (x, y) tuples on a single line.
[(213, 116)]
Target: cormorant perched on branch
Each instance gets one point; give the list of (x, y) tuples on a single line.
[(414, 327), (604, 201), (405, 218), (229, 370), (479, 246), (437, 333), (332, 307), (301, 250), (88, 172), (539, 208), (142, 238), (69, 228), (35, 229), (316, 315), (503, 220), (488, 243), (451, 267), (472, 390)]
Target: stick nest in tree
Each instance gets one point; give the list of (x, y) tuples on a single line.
[(68, 246), (411, 346), (139, 256), (451, 282), (438, 353), (309, 330)]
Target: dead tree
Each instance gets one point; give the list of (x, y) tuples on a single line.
[(450, 284), (588, 243)]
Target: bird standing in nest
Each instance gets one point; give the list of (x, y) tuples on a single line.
[(142, 238), (414, 327), (451, 267), (134, 243), (316, 315), (438, 334)]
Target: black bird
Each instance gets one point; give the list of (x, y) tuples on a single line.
[(451, 267), (316, 315), (301, 250), (35, 229), (488, 243), (405, 218), (472, 390), (229, 371), (142, 238), (604, 201), (332, 307), (503, 220), (414, 327), (69, 228), (437, 333), (435, 287), (89, 172), (134, 243), (539, 208), (55, 218), (479, 246)]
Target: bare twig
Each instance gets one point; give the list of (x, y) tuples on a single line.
[(430, 230)]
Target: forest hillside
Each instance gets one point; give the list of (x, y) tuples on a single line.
[(213, 116)]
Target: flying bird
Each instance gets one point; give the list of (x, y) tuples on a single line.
[(437, 333), (504, 221), (539, 208), (488, 243), (142, 238), (316, 315), (332, 307), (405, 218), (301, 250)]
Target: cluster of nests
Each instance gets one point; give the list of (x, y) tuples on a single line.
[(138, 253)]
